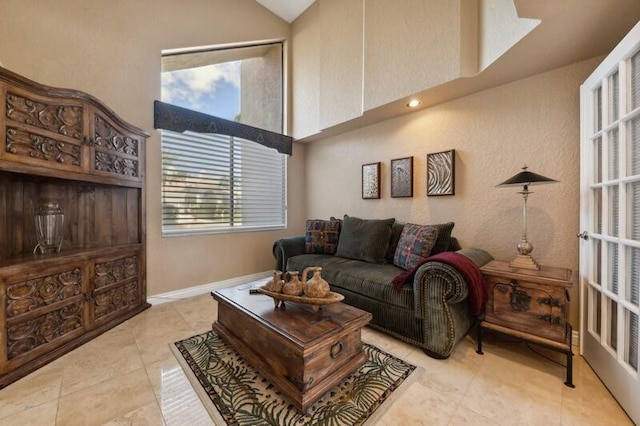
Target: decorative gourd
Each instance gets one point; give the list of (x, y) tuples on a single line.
[(292, 285), (275, 284), (316, 287)]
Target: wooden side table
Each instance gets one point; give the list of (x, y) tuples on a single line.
[(532, 305)]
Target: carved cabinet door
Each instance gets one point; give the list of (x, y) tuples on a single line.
[(115, 152), (44, 310), (114, 286), (41, 131)]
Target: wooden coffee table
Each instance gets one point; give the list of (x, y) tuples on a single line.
[(302, 353)]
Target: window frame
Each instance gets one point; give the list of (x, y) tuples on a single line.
[(168, 230)]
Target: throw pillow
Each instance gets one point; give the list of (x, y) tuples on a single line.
[(444, 237), (396, 231), (363, 239), (321, 236), (415, 245)]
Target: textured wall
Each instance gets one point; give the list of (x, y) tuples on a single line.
[(305, 77), (112, 51), (261, 104), (409, 46), (533, 121), (500, 29), (341, 60)]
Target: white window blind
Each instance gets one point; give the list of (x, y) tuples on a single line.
[(217, 183)]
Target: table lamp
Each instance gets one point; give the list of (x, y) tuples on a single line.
[(525, 178)]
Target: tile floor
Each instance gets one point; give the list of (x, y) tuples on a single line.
[(129, 376)]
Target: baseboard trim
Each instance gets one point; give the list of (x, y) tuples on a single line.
[(206, 288), (575, 338)]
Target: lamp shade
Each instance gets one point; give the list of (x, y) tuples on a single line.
[(527, 178)]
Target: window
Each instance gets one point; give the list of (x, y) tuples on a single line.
[(214, 182)]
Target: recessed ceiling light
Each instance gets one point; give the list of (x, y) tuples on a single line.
[(413, 103)]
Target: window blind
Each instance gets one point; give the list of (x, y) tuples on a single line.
[(219, 183)]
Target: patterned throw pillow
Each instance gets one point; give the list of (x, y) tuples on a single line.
[(415, 245), (321, 236)]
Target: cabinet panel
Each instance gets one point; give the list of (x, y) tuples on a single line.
[(115, 286), (114, 151), (44, 332), (115, 300), (43, 311), (31, 147), (42, 131), (64, 118), (35, 293), (114, 271)]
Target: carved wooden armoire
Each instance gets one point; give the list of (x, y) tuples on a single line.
[(66, 147)]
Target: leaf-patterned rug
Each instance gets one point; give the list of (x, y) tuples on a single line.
[(234, 393)]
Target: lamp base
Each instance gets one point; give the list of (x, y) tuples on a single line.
[(523, 261)]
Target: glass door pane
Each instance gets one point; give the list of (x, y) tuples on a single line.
[(610, 213)]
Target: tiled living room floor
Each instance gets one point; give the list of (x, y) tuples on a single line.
[(129, 376)]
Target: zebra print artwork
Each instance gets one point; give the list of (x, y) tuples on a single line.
[(441, 173)]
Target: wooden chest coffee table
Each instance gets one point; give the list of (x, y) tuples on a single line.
[(302, 353)]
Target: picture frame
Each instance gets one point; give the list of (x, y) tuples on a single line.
[(441, 168), (402, 177), (371, 181)]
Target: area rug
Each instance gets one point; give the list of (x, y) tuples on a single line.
[(234, 393)]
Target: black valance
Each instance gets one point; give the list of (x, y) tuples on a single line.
[(178, 119)]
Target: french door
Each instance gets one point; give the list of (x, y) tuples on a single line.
[(610, 221)]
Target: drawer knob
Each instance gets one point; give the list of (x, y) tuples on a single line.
[(335, 350)]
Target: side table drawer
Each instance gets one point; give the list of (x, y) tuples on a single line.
[(526, 306)]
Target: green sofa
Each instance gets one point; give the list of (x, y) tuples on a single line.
[(431, 312)]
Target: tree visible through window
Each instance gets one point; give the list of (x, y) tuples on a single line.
[(219, 183)]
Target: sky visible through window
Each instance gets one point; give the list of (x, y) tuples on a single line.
[(212, 89)]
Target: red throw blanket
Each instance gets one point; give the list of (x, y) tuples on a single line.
[(468, 269)]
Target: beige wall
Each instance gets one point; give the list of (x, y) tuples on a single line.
[(305, 78), (409, 46), (111, 50), (500, 29), (534, 121), (262, 90)]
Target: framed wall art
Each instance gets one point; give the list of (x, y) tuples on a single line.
[(402, 177), (441, 167), (371, 181)]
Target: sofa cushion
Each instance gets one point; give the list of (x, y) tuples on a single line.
[(415, 245), (362, 239), (321, 236), (396, 231), (367, 279), (443, 242)]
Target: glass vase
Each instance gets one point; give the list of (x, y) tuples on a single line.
[(49, 227)]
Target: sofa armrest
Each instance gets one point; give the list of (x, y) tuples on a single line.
[(441, 302), (287, 247)]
